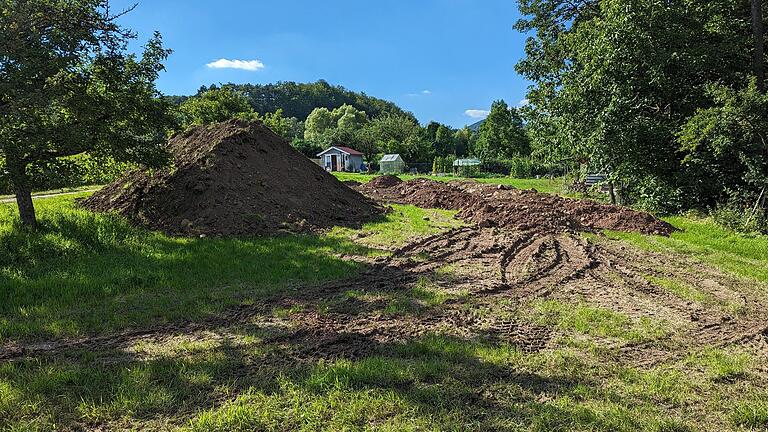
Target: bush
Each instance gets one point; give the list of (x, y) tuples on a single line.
[(443, 165), (738, 216), (521, 168), (655, 195), (72, 171)]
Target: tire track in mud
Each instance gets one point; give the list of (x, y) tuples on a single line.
[(503, 267), (520, 267)]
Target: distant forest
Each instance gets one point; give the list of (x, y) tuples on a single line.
[(300, 99)]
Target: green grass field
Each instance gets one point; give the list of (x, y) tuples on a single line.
[(554, 186), (746, 256), (85, 274)]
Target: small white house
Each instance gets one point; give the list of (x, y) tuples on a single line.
[(339, 158)]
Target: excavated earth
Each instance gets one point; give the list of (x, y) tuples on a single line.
[(502, 206), (234, 178), (523, 247)]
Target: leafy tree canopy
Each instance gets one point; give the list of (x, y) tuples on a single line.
[(69, 86), (502, 135), (226, 103), (300, 99), (616, 81)]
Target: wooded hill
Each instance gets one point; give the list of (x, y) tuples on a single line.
[(299, 99)]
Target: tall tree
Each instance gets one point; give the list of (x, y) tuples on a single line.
[(759, 37), (213, 106), (502, 135), (68, 86), (615, 80)]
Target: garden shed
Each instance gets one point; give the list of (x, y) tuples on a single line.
[(392, 164), (338, 158)]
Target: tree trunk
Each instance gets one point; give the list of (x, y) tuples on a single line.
[(23, 193), (612, 192), (757, 32)]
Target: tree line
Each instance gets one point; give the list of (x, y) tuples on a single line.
[(666, 97)]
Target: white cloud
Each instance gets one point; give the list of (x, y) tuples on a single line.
[(421, 93), (523, 103), (477, 114), (248, 65)]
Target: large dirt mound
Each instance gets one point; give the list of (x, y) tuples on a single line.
[(500, 206), (234, 178)]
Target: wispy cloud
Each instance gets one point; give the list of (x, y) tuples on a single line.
[(421, 93), (477, 114), (248, 65)]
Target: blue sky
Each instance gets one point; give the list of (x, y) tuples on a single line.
[(436, 58)]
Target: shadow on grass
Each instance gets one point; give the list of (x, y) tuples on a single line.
[(84, 273), (435, 382)]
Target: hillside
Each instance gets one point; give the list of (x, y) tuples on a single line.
[(299, 99), (475, 127)]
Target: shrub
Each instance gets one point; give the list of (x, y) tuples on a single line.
[(521, 168), (655, 195), (739, 217)]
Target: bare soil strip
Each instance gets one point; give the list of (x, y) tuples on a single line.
[(489, 275)]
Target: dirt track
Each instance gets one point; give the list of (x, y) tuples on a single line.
[(495, 275), (491, 276)]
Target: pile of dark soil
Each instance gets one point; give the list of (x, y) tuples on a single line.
[(234, 178), (500, 206), (385, 181)]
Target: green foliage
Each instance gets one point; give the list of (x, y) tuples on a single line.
[(214, 106), (402, 135), (745, 219), (725, 146), (521, 168), (68, 86), (225, 103), (298, 100), (502, 135), (307, 148), (617, 81), (442, 165), (324, 127)]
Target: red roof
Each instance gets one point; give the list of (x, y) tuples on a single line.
[(349, 151)]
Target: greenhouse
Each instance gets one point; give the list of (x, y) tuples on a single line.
[(466, 167), (392, 164)]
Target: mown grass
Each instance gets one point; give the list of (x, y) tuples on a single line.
[(596, 321), (402, 224), (54, 191), (553, 186), (435, 382), (86, 273), (739, 254)]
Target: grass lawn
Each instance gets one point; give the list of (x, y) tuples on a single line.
[(87, 274), (746, 256), (554, 186), (55, 191)]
